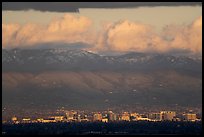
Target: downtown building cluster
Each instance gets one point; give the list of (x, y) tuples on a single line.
[(110, 116)]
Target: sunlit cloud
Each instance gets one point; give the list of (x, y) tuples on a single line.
[(134, 36), (121, 36), (68, 29), (185, 37)]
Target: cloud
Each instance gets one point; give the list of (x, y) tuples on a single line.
[(69, 24), (40, 6), (8, 33), (121, 36), (126, 36), (185, 37), (74, 6), (132, 36), (67, 29)]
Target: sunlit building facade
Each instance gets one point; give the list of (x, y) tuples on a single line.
[(155, 116), (111, 116), (168, 115), (97, 117), (189, 117), (71, 115), (125, 116)]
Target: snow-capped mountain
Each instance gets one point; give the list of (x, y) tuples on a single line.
[(66, 59)]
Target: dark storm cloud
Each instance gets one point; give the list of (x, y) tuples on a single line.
[(40, 6), (74, 6)]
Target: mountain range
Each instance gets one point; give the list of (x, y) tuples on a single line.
[(50, 78), (65, 59)]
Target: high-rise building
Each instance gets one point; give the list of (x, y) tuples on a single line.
[(112, 116), (125, 116), (168, 115), (71, 115)]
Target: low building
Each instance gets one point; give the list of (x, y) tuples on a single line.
[(105, 120), (58, 118), (40, 120), (26, 120), (83, 118), (144, 119), (49, 120), (189, 117), (155, 116), (176, 119), (134, 116)]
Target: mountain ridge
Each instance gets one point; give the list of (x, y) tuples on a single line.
[(66, 59)]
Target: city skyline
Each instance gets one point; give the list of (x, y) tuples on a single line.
[(108, 116)]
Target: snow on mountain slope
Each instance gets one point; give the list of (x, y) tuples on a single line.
[(63, 59)]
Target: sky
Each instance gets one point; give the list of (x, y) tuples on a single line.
[(105, 27)]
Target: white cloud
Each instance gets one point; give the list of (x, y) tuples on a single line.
[(134, 36), (126, 36), (186, 37), (8, 33), (119, 36), (68, 29)]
